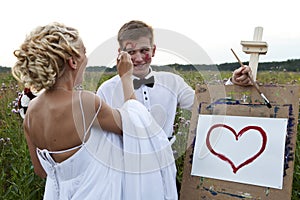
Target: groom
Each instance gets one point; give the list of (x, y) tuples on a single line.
[(161, 92)]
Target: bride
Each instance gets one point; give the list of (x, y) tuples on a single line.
[(84, 148)]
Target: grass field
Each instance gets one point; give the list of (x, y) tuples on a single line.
[(17, 179)]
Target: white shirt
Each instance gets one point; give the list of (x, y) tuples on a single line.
[(169, 92)]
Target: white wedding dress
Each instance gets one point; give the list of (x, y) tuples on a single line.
[(136, 166)]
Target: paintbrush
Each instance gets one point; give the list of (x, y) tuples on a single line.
[(254, 82)]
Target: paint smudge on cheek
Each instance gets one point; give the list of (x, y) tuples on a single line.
[(147, 57)]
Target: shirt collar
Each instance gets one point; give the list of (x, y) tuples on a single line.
[(147, 76)]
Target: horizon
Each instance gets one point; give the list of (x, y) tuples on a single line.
[(190, 63)]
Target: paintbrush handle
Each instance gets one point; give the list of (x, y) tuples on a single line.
[(237, 58), (254, 83)]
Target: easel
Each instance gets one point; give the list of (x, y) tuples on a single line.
[(255, 48), (285, 102)]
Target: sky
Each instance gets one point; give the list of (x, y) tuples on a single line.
[(211, 26)]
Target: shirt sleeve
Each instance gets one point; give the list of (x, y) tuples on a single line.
[(100, 93), (229, 82), (185, 95), (106, 89)]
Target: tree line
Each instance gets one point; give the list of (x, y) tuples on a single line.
[(291, 65)]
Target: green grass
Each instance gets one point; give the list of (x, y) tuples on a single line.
[(17, 179)]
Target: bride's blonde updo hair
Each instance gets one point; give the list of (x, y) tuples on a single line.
[(43, 55)]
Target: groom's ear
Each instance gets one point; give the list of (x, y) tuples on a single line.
[(153, 50)]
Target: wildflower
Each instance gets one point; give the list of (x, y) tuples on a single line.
[(187, 123), (4, 141), (181, 120), (175, 126), (179, 133), (16, 111)]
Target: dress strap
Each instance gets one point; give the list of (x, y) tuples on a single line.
[(83, 118), (61, 151), (82, 113)]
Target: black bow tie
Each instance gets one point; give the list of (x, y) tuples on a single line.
[(148, 82)]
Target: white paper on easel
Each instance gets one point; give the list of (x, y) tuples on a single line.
[(240, 149)]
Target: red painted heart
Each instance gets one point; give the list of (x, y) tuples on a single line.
[(237, 135)]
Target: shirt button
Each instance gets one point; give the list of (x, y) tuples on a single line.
[(145, 92), (146, 98)]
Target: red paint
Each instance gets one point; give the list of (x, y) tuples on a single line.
[(129, 45), (237, 135), (147, 57)]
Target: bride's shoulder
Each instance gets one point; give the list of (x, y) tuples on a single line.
[(90, 98)]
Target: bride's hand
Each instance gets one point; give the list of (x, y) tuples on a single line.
[(124, 64)]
